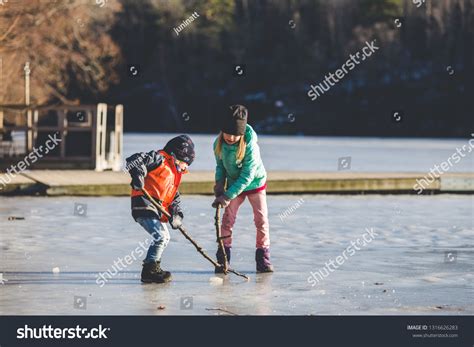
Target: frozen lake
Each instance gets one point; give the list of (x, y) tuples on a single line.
[(420, 261), (322, 153)]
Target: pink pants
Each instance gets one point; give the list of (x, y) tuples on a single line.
[(258, 201)]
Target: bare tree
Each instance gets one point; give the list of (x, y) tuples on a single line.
[(66, 44)]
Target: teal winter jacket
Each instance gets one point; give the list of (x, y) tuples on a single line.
[(244, 176)]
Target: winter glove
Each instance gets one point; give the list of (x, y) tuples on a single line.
[(138, 182), (219, 189), (221, 201), (176, 220)]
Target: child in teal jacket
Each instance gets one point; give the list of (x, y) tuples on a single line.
[(240, 174)]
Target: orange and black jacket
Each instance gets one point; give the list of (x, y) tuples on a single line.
[(162, 179)]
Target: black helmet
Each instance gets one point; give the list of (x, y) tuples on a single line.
[(182, 148)]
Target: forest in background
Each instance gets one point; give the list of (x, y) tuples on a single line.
[(124, 51)]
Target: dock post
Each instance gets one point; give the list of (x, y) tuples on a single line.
[(101, 132), (118, 139), (29, 112), (29, 131)]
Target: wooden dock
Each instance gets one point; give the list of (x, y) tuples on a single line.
[(108, 183)]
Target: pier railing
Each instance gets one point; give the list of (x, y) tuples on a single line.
[(91, 136)]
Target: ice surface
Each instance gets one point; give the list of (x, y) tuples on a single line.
[(312, 153), (421, 261)]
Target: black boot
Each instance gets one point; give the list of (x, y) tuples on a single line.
[(262, 258), (221, 260), (152, 273)]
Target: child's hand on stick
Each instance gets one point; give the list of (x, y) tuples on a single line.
[(221, 201), (176, 221)]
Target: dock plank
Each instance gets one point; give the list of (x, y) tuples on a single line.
[(107, 183)]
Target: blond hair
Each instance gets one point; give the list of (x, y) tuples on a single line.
[(240, 150)]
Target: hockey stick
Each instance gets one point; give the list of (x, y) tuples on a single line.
[(189, 238)]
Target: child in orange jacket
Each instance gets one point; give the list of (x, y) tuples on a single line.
[(159, 173)]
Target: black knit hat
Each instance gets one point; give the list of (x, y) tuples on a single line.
[(182, 147), (234, 120)]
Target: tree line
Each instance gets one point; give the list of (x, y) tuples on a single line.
[(127, 52)]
